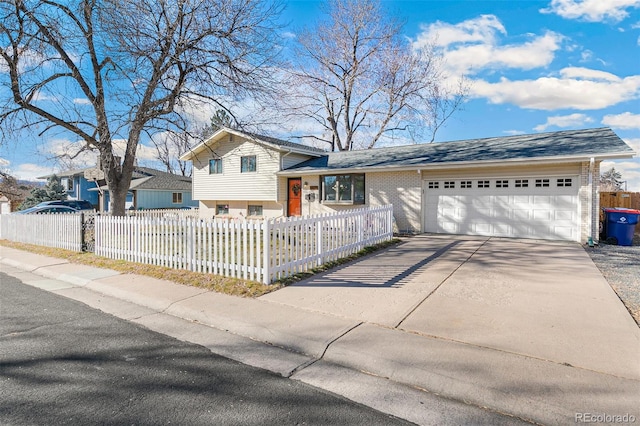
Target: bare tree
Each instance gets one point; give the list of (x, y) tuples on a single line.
[(169, 149), (119, 69), (360, 79), (171, 145), (611, 180), (9, 186)]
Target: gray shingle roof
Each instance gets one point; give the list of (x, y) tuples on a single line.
[(147, 178), (66, 173), (570, 143), (281, 142), (274, 142)]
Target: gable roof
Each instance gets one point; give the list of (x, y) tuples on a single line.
[(67, 173), (152, 179), (278, 144), (147, 178), (563, 146)]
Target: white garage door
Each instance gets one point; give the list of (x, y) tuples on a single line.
[(544, 208)]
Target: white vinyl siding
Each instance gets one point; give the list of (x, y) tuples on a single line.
[(231, 184), (289, 160)]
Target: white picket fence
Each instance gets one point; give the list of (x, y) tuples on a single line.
[(164, 213), (58, 230), (260, 250)]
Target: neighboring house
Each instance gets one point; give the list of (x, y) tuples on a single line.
[(153, 189), (10, 202), (528, 186), (78, 186), (5, 205)]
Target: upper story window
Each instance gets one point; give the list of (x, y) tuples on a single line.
[(343, 189), (248, 164), (215, 166), (68, 184)]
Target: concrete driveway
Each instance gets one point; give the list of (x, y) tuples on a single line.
[(541, 299)]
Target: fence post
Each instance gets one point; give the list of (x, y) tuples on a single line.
[(82, 239), (319, 225), (266, 247)]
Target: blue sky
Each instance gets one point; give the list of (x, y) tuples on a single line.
[(533, 66)]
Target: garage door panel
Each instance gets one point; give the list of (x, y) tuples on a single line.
[(502, 209)]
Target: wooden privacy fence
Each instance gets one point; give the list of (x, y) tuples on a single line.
[(59, 230), (260, 250)]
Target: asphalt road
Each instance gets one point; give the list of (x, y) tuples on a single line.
[(64, 363)]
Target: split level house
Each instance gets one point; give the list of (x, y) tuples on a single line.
[(541, 186), (149, 189)]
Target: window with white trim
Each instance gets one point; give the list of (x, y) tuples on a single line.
[(483, 184), (222, 209), (542, 183), (565, 182), (215, 166), (502, 184), (522, 183), (248, 164), (343, 189), (434, 185), (449, 184), (466, 184)]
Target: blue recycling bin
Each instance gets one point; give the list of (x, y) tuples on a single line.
[(620, 224)]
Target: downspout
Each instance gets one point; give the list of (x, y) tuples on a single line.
[(592, 163)]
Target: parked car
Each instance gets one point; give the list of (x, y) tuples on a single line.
[(48, 209), (74, 204)]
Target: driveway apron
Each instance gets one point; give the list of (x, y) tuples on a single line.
[(541, 299)]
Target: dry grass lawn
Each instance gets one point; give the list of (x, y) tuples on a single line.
[(217, 283)]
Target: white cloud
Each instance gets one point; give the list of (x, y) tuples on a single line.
[(634, 143), (30, 171), (576, 88), (71, 154), (588, 74), (592, 10), (625, 120), (629, 169), (473, 45), (479, 30), (82, 101), (563, 121), (514, 132)]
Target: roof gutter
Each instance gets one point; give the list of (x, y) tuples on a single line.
[(456, 165)]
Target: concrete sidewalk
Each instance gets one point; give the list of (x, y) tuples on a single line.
[(524, 328)]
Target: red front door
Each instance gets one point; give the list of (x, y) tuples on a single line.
[(294, 203)]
